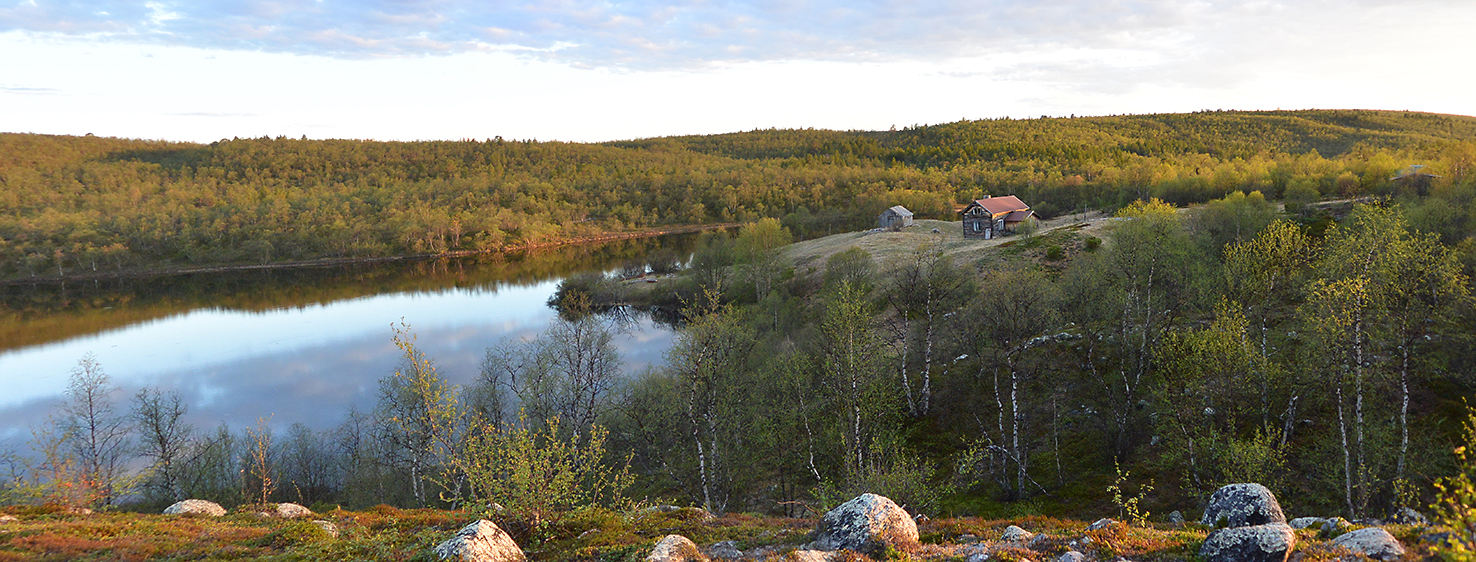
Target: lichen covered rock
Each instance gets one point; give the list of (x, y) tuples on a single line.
[(675, 548), (867, 524), (1242, 505), (482, 541), (1373, 542), (195, 507), (1272, 542)]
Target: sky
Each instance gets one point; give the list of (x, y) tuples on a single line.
[(588, 70)]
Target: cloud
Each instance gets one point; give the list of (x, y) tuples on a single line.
[(684, 34), (29, 90)]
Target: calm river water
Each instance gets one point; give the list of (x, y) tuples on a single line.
[(303, 345)]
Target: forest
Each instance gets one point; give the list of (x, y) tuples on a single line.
[(95, 207)]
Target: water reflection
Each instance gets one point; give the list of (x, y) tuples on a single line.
[(300, 346)]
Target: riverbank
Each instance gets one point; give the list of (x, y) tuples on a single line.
[(331, 262)]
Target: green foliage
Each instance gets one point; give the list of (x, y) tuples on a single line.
[(539, 474), (1454, 509), (1129, 504)]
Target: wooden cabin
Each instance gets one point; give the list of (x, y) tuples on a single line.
[(895, 218), (991, 217), (1413, 179)]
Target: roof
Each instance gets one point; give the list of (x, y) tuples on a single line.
[(900, 210), (1000, 205), (1018, 216)]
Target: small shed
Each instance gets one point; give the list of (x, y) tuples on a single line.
[(897, 217)]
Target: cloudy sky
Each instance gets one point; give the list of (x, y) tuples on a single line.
[(588, 70)]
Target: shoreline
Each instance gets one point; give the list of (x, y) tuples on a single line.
[(328, 262)]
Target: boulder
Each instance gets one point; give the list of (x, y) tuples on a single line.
[(7, 518), (967, 538), (1242, 505), (867, 524), (1271, 542), (1100, 524), (1176, 518), (1306, 522), (292, 510), (1407, 516), (327, 526), (481, 541), (675, 548), (1332, 527), (195, 507), (1373, 542), (725, 550), (1016, 535), (1071, 556)]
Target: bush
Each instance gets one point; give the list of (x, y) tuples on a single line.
[(1092, 243), (539, 473), (1455, 506), (1055, 252)]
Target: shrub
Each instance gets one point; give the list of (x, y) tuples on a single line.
[(539, 473), (1055, 252), (1092, 243)]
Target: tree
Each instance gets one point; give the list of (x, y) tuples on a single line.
[(849, 358), (1007, 319), (95, 432), (708, 360), (419, 415), (164, 439), (567, 372), (1265, 274), (921, 289), (1235, 218)]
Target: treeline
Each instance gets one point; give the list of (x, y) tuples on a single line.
[(1186, 351), (74, 206)]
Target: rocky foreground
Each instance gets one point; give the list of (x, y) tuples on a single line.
[(1242, 523)]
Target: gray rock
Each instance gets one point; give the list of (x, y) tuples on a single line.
[(978, 557), (8, 518), (1242, 505), (292, 510), (1071, 556), (1407, 516), (1271, 542), (481, 541), (1100, 524), (1372, 542), (866, 524), (1176, 518), (195, 507), (1305, 522), (1439, 538), (327, 526), (724, 550), (1040, 541), (675, 548), (1332, 527), (967, 538), (1016, 535)]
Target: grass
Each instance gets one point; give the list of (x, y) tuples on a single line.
[(888, 248), (386, 533)]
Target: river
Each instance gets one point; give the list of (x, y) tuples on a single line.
[(294, 346)]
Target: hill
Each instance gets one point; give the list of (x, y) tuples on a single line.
[(88, 206)]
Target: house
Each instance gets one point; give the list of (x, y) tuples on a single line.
[(895, 218), (1413, 180), (994, 216)]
